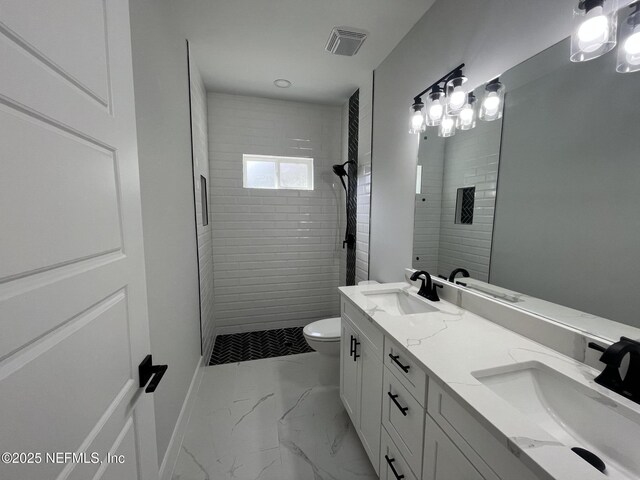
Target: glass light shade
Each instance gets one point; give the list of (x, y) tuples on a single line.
[(456, 95), (447, 126), (466, 119), (594, 29), (493, 101), (417, 124), (629, 48), (434, 108)]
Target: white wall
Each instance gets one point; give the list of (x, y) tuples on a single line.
[(490, 36), (276, 253), (200, 142), (365, 119), (164, 148)]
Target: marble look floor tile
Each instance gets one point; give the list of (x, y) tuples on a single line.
[(278, 418)]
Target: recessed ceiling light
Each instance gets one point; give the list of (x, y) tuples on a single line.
[(282, 83)]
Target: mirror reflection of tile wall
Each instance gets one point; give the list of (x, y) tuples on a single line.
[(468, 159)]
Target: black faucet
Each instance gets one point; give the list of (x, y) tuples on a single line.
[(428, 289), (452, 275), (612, 357)]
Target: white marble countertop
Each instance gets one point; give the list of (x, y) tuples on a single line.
[(452, 343)]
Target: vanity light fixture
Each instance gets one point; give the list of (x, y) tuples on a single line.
[(629, 48), (437, 101), (447, 126), (456, 93), (466, 119), (435, 106), (491, 107), (594, 32), (417, 117)]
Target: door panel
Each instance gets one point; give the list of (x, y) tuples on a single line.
[(370, 401), (73, 306), (349, 374), (69, 36), (443, 460)]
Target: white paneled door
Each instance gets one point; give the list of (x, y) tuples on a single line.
[(73, 314)]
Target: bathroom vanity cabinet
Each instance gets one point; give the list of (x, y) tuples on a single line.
[(409, 426), (361, 347)]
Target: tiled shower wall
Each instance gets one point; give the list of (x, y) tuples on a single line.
[(201, 167), (364, 180), (276, 253)]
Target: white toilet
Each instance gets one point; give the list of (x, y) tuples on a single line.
[(324, 336)]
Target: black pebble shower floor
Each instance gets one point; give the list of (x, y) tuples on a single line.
[(240, 347)]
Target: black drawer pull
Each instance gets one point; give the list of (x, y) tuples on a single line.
[(393, 469), (393, 397), (355, 349), (351, 346), (394, 358)]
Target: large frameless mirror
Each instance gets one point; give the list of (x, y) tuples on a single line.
[(541, 207)]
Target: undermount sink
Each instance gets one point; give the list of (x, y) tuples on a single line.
[(574, 414), (398, 302)]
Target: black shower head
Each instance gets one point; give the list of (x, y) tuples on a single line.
[(340, 170)]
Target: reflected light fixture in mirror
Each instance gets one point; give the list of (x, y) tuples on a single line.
[(467, 117), (417, 117), (456, 93), (629, 48), (594, 29), (435, 106), (447, 126), (491, 108)]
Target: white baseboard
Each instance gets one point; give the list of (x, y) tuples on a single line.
[(175, 444)]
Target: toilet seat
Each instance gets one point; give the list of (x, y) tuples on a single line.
[(327, 330)]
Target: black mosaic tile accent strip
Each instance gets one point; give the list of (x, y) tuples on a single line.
[(241, 347), (352, 193)]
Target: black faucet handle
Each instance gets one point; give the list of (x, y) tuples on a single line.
[(597, 347)]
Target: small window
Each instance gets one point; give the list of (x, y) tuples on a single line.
[(465, 202), (286, 173)]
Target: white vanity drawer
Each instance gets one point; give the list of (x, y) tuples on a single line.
[(392, 465), (407, 371), (475, 442), (403, 418), (366, 326)]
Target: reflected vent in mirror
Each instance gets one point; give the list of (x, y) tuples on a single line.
[(465, 201)]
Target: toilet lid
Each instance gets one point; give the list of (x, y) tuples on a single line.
[(327, 329)]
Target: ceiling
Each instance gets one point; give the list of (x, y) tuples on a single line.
[(242, 46)]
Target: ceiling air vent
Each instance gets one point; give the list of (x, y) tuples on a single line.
[(345, 41)]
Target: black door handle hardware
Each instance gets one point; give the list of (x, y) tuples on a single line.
[(393, 397), (355, 349), (147, 370), (393, 469), (394, 358)]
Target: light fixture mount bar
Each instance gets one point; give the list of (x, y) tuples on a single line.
[(456, 72)]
